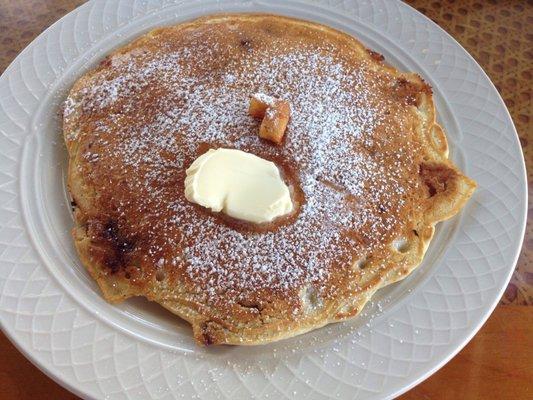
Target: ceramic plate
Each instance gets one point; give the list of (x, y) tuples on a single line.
[(53, 312)]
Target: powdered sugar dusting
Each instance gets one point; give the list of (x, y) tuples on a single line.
[(264, 98), (164, 109)]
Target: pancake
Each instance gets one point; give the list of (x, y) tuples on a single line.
[(365, 160)]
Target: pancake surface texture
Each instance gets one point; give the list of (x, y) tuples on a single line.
[(365, 160)]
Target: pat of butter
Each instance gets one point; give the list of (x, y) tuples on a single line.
[(239, 184)]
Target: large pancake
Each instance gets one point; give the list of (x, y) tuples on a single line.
[(365, 159)]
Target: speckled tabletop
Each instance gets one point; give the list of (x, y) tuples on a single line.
[(499, 34)]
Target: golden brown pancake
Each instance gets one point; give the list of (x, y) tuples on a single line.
[(366, 162)]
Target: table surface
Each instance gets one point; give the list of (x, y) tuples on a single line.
[(497, 363)]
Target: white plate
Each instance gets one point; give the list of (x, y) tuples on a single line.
[(55, 315)]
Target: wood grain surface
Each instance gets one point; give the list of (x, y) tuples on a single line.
[(498, 362)]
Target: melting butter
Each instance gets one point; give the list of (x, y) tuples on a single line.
[(239, 184)]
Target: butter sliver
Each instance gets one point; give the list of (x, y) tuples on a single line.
[(240, 184)]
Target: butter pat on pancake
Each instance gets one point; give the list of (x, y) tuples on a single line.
[(239, 184)]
